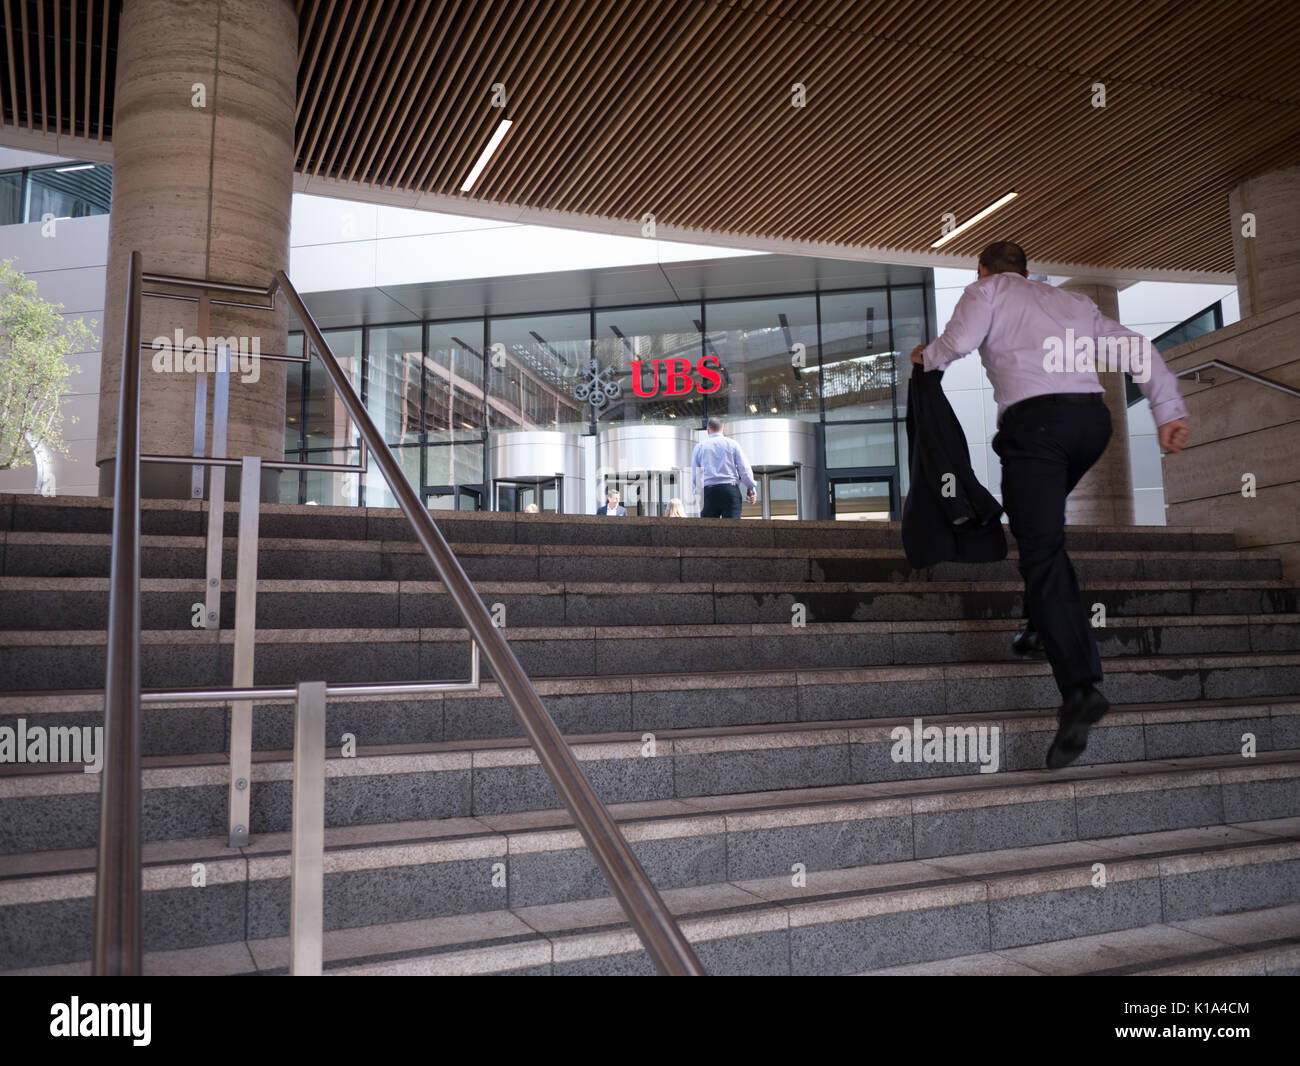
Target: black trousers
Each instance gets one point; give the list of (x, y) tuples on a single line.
[(1045, 449), (720, 501)]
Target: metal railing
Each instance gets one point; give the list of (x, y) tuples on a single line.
[(117, 865), (1194, 373), (118, 884)]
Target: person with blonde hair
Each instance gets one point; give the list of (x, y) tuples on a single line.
[(674, 509)]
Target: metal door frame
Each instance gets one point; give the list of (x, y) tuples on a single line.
[(556, 479), (764, 479), (865, 473), (476, 491)]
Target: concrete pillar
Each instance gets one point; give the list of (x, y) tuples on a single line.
[(203, 155), (1105, 495), (1268, 263)]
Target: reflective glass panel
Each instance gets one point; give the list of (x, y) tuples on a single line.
[(663, 346), (857, 360), (768, 353), (533, 364)]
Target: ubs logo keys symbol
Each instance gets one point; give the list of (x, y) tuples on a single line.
[(598, 387)]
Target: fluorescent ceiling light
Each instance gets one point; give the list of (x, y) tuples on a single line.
[(975, 218), (83, 166), (487, 154)]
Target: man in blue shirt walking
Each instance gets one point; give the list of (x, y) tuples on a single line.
[(718, 468)]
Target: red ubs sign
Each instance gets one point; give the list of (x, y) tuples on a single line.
[(677, 380)]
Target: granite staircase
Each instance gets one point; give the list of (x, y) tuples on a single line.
[(742, 694)]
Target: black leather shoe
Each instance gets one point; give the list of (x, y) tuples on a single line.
[(1083, 707), (1027, 642)]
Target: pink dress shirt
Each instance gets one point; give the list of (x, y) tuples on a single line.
[(1020, 325)]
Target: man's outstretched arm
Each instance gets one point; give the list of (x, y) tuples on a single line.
[(1157, 383), (965, 331)]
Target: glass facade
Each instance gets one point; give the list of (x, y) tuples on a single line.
[(453, 378), (857, 356), (1198, 325), (66, 190), (836, 360), (645, 347), (768, 350), (532, 365)]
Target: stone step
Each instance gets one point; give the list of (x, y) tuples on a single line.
[(34, 603), (74, 659), (1218, 891), (1278, 960), (46, 806), (44, 554), (868, 917), (29, 513), (1256, 943), (1176, 728)]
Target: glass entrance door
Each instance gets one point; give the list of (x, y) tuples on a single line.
[(646, 492), (543, 494), (453, 497), (863, 499), (778, 494)]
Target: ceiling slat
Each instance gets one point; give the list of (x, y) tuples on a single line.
[(57, 47), (107, 21), (85, 93), (13, 67), (40, 56)]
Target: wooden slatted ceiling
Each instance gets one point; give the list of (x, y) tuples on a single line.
[(59, 60), (682, 108)]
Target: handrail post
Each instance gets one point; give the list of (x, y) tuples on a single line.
[(200, 434), (117, 950), (649, 916), (216, 494), (307, 849), (241, 711), (201, 408)]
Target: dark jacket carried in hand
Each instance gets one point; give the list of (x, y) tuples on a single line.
[(948, 514)]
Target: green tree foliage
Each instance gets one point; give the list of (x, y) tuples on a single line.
[(35, 343)]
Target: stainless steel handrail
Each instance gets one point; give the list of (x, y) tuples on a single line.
[(1194, 372), (208, 460), (208, 285), (117, 945), (118, 889), (641, 902), (280, 692), (211, 286), (117, 866)]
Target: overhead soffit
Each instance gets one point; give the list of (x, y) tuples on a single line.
[(682, 109), (57, 64), (572, 290)]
